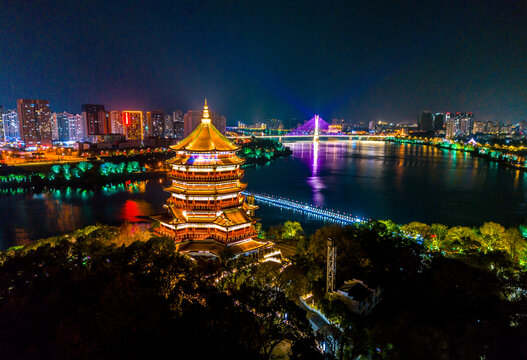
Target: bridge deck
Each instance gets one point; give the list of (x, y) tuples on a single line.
[(326, 214)]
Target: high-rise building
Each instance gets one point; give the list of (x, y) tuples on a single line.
[(522, 127), (439, 122), (34, 118), (10, 122), (465, 121), (158, 123), (169, 127), (179, 124), (459, 124), (61, 124), (479, 127), (133, 123), (192, 120), (207, 214), (426, 121), (116, 122), (75, 127), (451, 126), (492, 127), (95, 119), (147, 131), (54, 127), (2, 131), (276, 124)]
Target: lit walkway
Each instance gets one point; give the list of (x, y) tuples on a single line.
[(323, 214)]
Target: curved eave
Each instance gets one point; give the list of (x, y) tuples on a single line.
[(175, 190), (219, 162), (232, 148)]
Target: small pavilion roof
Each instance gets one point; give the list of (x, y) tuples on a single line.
[(213, 248), (233, 217)]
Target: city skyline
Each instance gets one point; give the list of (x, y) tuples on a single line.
[(365, 62)]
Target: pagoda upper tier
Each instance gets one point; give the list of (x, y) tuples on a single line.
[(206, 138)]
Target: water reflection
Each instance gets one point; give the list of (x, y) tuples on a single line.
[(135, 210), (314, 181), (27, 217), (376, 180)]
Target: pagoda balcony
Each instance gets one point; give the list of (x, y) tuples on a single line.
[(213, 205), (205, 176), (209, 187)]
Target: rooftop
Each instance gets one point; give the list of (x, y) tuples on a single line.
[(205, 138)]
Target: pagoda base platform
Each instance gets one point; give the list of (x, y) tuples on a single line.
[(211, 248)]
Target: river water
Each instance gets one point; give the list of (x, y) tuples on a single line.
[(378, 180)]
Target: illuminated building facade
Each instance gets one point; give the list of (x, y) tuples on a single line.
[(480, 127), (158, 123), (169, 127), (95, 119), (34, 118), (75, 130), (206, 212), (116, 122), (133, 124), (2, 131), (179, 124), (61, 126), (458, 124), (147, 131), (10, 123)]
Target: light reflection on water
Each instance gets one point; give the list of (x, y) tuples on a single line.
[(378, 180), (27, 216)]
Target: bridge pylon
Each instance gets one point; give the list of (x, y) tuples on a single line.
[(315, 135)]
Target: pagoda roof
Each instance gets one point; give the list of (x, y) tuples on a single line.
[(205, 137), (164, 218), (173, 216), (232, 217), (246, 206), (177, 214)]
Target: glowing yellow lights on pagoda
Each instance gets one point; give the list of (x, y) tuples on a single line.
[(206, 117), (207, 213)]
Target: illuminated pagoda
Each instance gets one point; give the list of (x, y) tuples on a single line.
[(206, 213)]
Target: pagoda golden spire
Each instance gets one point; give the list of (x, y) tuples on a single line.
[(206, 117)]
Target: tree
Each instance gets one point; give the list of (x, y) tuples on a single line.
[(460, 239), (492, 235), (438, 234), (514, 243), (275, 232), (391, 227), (416, 228), (292, 230)]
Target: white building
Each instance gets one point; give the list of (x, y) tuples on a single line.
[(360, 298)]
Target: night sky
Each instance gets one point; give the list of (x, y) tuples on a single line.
[(252, 60)]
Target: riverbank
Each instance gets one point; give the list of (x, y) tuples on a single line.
[(118, 167), (509, 156)]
